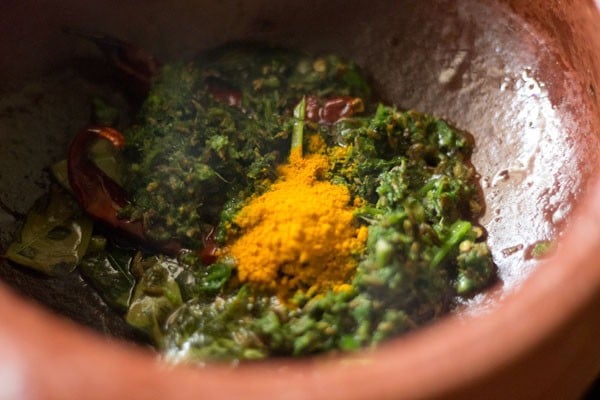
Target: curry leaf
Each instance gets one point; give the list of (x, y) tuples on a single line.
[(54, 237), (107, 269), (155, 297)]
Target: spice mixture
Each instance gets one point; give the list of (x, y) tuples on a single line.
[(279, 209)]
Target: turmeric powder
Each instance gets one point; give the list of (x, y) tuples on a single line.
[(300, 234)]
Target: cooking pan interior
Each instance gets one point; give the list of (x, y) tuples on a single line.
[(490, 68)]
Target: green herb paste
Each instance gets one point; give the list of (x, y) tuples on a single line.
[(210, 138)]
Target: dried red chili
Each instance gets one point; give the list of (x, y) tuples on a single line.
[(98, 194), (332, 109)]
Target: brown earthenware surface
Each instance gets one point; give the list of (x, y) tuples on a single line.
[(521, 76)]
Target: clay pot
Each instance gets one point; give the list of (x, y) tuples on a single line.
[(522, 76)]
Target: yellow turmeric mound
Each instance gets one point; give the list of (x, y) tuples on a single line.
[(301, 234)]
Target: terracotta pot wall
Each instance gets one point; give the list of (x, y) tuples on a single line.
[(540, 338)]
